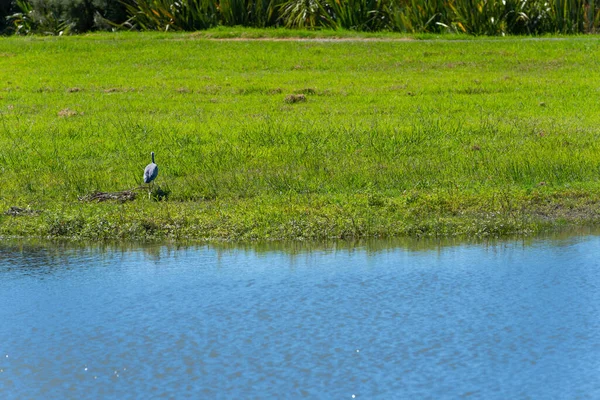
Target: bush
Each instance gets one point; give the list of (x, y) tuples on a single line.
[(7, 8), (52, 17)]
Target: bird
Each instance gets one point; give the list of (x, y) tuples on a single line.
[(151, 171)]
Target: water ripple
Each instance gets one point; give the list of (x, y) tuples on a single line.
[(502, 320)]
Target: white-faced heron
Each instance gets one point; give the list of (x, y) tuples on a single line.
[(151, 171)]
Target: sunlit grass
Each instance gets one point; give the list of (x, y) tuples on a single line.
[(394, 138)]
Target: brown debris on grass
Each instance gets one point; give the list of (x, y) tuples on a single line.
[(67, 112), (125, 195), (74, 90), (20, 211), (295, 98), (118, 90)]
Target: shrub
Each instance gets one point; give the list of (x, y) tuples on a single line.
[(52, 17)]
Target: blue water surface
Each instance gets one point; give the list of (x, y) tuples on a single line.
[(501, 320)]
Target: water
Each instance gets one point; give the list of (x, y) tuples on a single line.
[(493, 321)]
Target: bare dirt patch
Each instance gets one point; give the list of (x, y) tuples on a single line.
[(299, 39)]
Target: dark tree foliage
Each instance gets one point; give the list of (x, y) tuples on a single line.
[(7, 8), (47, 16)]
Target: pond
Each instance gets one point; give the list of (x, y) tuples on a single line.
[(496, 320)]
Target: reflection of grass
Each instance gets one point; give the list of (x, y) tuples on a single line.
[(395, 138)]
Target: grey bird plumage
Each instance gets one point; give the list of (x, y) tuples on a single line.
[(151, 171)]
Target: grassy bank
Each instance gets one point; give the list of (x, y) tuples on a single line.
[(287, 140)]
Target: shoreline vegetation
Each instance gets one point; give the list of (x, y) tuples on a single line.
[(297, 140), (480, 17)]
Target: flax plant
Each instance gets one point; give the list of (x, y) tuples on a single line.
[(418, 15), (164, 15)]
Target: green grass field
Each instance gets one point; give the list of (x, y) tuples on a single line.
[(484, 137)]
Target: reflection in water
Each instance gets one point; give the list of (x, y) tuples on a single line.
[(373, 319)]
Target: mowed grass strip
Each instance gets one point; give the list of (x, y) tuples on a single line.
[(308, 139)]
